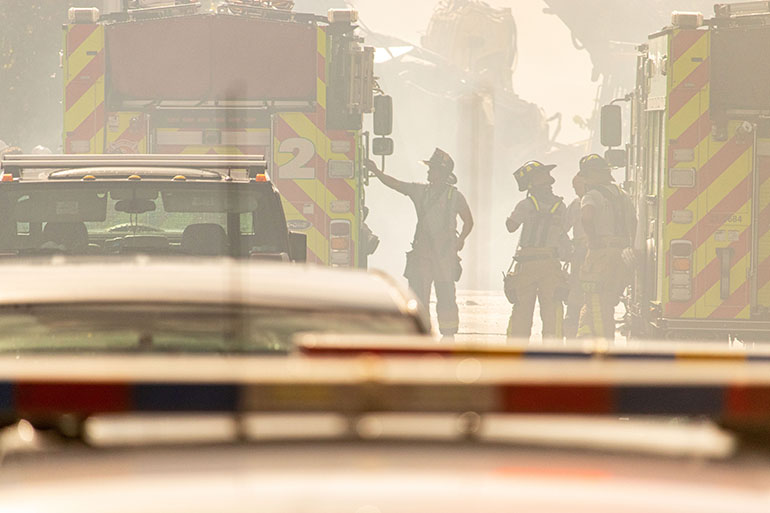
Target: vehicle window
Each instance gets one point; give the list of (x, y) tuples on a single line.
[(153, 218), (183, 329)]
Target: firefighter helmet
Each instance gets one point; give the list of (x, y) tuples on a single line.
[(594, 169), (441, 160), (533, 173)]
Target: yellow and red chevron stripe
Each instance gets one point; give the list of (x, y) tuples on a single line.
[(84, 68), (720, 201), (312, 200), (763, 223), (318, 200), (126, 132)]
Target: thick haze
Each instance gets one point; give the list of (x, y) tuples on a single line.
[(551, 73), (569, 61)]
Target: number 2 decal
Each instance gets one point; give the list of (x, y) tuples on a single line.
[(303, 152)]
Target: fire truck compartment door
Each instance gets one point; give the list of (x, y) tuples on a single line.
[(198, 58)]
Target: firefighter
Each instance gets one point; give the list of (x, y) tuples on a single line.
[(537, 274), (577, 257), (434, 256), (609, 222)]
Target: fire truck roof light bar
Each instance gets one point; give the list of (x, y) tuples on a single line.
[(742, 9)]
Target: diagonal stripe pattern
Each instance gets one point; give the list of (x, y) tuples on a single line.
[(720, 201), (84, 69)]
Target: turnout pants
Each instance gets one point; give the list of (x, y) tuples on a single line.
[(539, 280), (604, 277), (576, 297), (422, 272)]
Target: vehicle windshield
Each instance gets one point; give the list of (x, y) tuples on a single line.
[(129, 328), (155, 218)]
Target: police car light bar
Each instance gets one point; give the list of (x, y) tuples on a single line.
[(729, 392)]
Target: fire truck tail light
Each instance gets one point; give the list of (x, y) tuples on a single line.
[(339, 228), (681, 264), (681, 294), (340, 169), (681, 270), (6, 178), (340, 243), (681, 177)]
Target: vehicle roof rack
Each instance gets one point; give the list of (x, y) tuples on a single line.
[(13, 164), (121, 160)]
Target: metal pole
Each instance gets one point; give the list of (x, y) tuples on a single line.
[(753, 271)]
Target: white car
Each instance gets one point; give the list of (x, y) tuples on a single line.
[(222, 305)]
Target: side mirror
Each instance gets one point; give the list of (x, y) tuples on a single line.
[(382, 146), (298, 247), (383, 115), (615, 158), (611, 126)]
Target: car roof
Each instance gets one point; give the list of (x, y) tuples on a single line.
[(200, 281)]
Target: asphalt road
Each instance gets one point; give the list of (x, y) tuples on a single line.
[(484, 317)]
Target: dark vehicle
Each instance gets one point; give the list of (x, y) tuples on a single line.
[(205, 205)]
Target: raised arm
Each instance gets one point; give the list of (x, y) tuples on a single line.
[(388, 181)]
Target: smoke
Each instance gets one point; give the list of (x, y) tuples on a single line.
[(572, 58)]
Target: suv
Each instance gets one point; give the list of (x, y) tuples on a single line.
[(202, 205)]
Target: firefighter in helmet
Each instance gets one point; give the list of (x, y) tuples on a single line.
[(537, 274), (434, 258), (609, 222)]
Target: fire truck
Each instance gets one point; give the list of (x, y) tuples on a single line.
[(698, 168), (243, 77)]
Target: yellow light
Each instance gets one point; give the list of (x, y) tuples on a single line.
[(89, 177), (180, 178), (339, 243), (134, 177), (681, 264)]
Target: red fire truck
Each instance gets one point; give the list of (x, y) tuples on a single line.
[(246, 77), (699, 170)]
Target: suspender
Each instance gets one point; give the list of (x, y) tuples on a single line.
[(542, 225)]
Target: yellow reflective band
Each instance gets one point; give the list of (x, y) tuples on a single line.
[(555, 206), (596, 314), (534, 201)]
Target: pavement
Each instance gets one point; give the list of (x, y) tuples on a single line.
[(484, 317)]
